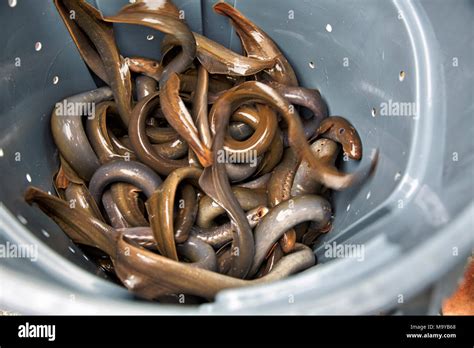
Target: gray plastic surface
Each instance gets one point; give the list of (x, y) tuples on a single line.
[(414, 217)]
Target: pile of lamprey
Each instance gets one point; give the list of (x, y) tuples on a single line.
[(195, 173)]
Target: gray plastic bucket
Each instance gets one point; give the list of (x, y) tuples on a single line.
[(414, 218)]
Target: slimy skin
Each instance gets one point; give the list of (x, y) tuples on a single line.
[(240, 130), (151, 275), (126, 197), (246, 198), (81, 227), (279, 188), (186, 214), (217, 236), (123, 195), (116, 218), (326, 151), (258, 183), (256, 91), (145, 86), (98, 133), (218, 59), (162, 16), (131, 172), (159, 135), (106, 61), (141, 143), (146, 273), (281, 180), (70, 137), (200, 108), (264, 122), (199, 253), (273, 156), (160, 207), (340, 130), (148, 67), (308, 98), (180, 119), (241, 171), (257, 44), (284, 216), (82, 199)]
